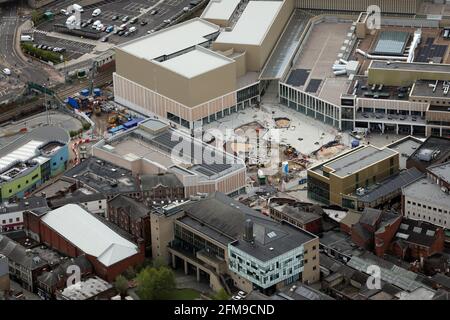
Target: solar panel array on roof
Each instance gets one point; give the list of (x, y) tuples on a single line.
[(298, 77), (313, 85), (391, 43), (431, 52)]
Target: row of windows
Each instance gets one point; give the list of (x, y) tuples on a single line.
[(11, 220), (425, 217), (429, 207)]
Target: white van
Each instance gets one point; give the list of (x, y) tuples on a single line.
[(96, 12), (26, 38), (96, 24), (77, 7)]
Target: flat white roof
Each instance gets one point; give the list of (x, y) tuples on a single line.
[(220, 9), (170, 40), (23, 153), (89, 234), (196, 62), (253, 24)]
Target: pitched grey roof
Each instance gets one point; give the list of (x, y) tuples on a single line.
[(17, 253), (392, 184), (170, 180), (370, 216), (134, 208), (221, 215)]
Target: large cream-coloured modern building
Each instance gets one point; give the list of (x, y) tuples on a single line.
[(196, 72)]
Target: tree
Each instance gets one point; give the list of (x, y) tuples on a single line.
[(158, 263), (155, 284), (121, 285), (130, 273), (221, 295)]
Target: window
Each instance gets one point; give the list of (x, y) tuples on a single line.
[(17, 219)]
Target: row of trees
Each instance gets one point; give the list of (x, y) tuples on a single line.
[(41, 54)]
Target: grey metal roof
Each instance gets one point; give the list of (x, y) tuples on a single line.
[(17, 253), (104, 176), (297, 213), (358, 159), (392, 184), (31, 203), (441, 170), (417, 232), (170, 180), (225, 220), (428, 191), (76, 197)]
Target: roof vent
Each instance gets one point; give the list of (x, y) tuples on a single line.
[(248, 231), (271, 249)]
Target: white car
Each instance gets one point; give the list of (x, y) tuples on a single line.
[(96, 12), (186, 9), (64, 12), (242, 294), (167, 21), (236, 298), (7, 71)]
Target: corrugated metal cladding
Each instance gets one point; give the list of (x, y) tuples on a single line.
[(387, 6)]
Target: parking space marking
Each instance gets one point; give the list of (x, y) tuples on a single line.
[(134, 7)]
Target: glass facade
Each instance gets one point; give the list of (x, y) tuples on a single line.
[(189, 241), (310, 105), (286, 267), (318, 190)]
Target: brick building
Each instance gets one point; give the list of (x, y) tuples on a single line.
[(74, 231), (161, 187), (131, 216)]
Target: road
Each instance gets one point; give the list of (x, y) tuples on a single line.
[(22, 71)]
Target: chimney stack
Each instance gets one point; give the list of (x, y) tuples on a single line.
[(248, 232)]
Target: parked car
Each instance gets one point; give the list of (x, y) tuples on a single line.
[(120, 33), (186, 9), (236, 298), (114, 18), (123, 27), (84, 25), (90, 20), (134, 20), (96, 12), (151, 31), (132, 29), (144, 22), (104, 39), (125, 19), (167, 21), (64, 12), (154, 11), (110, 29), (242, 294), (127, 33)]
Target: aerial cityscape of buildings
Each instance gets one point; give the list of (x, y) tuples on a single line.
[(225, 150)]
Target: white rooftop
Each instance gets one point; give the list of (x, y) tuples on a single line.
[(220, 9), (252, 26), (89, 234), (196, 62), (23, 153), (170, 40)]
